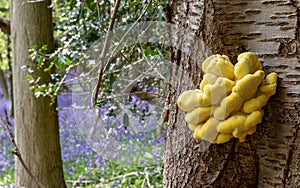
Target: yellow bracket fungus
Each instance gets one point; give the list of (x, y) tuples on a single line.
[(229, 100), (248, 63)]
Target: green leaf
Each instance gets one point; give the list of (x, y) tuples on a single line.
[(58, 63), (72, 4), (41, 62), (54, 88), (138, 182), (43, 48), (32, 47), (29, 77), (126, 120), (50, 67), (40, 89), (133, 3), (68, 61)]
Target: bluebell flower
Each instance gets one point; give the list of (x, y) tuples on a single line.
[(71, 170), (115, 184)]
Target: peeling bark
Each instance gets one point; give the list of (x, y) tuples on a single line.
[(270, 157)]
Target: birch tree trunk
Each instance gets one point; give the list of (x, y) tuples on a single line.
[(36, 122), (271, 156)]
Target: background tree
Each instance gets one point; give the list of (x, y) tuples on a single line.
[(36, 123), (270, 157), (77, 25), (5, 60)]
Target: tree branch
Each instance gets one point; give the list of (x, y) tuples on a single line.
[(18, 154), (102, 63), (104, 52), (5, 26)]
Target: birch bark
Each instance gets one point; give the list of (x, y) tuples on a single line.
[(270, 157)]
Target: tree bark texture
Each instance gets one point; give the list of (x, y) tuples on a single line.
[(36, 122), (271, 156)]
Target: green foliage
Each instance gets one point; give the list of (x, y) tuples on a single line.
[(80, 23), (77, 25), (118, 176), (114, 175), (3, 51), (4, 13), (7, 177)]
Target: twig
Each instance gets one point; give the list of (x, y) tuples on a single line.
[(104, 52), (98, 10), (140, 76), (151, 94), (102, 180), (18, 154), (132, 26), (101, 69), (62, 80), (148, 180), (96, 120), (127, 32)]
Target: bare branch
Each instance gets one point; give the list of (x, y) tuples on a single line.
[(148, 180), (5, 26), (105, 48), (98, 10), (18, 154), (131, 27), (104, 52)]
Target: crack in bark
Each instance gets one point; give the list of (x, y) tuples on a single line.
[(229, 158), (256, 157), (290, 156), (187, 9)]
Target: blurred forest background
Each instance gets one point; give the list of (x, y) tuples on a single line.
[(77, 26)]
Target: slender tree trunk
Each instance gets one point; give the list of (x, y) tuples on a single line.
[(271, 156), (3, 85), (10, 75), (36, 122)]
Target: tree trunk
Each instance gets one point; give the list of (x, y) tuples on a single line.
[(36, 122), (271, 156), (3, 85)]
